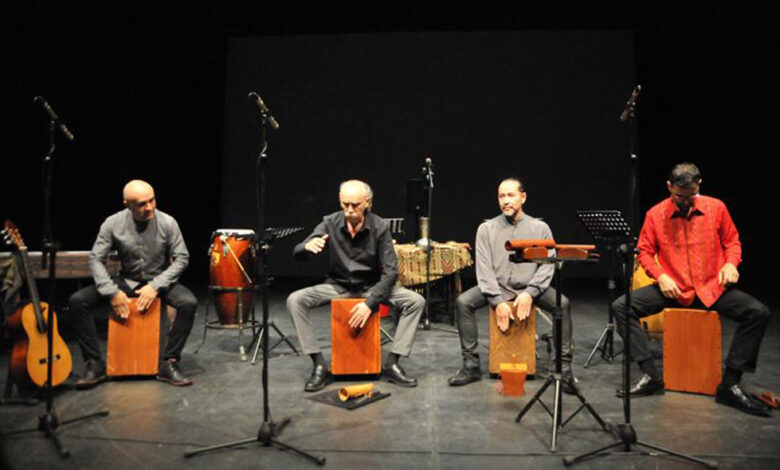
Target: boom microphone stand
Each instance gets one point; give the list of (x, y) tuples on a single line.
[(48, 422), (269, 430), (625, 433)]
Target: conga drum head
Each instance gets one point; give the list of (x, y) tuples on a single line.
[(232, 264)]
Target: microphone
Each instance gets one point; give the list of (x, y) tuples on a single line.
[(428, 161), (630, 103), (53, 116), (255, 98)]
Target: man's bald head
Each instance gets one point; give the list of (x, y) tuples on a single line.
[(139, 197), (355, 198)]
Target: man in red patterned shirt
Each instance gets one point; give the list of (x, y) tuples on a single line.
[(697, 249)]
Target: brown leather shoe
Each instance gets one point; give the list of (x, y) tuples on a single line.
[(169, 372)]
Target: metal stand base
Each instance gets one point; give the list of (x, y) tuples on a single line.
[(48, 423), (627, 438), (282, 337), (266, 437), (556, 412)]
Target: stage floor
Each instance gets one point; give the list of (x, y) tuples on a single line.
[(152, 424)]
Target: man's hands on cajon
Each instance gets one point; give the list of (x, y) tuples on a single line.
[(120, 303), (146, 296), (519, 310), (359, 315)]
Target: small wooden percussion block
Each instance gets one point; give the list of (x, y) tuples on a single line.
[(516, 344), (692, 351), (354, 352), (134, 343)]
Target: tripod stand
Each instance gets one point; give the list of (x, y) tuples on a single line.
[(609, 228), (269, 430), (555, 378), (48, 422), (625, 433)]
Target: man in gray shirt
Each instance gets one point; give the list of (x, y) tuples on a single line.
[(153, 255), (507, 286)]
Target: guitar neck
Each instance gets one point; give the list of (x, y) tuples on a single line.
[(32, 287)]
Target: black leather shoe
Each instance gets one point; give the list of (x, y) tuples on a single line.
[(465, 375), (169, 372), (645, 386), (734, 397), (94, 374), (320, 377), (396, 375), (569, 381)]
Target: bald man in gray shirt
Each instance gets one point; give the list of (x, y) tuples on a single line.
[(153, 256), (507, 286)]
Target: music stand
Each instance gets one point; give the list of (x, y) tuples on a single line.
[(271, 234), (610, 228), (555, 377)]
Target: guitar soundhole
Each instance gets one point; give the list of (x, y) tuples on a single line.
[(57, 357)]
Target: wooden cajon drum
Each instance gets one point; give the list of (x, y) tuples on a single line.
[(518, 340), (353, 352), (134, 343), (692, 351)]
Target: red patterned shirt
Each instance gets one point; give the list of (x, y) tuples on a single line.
[(691, 250)]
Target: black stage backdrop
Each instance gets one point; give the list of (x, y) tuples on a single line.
[(540, 105), (483, 89)]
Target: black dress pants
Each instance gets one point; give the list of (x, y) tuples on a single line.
[(84, 301), (752, 316)]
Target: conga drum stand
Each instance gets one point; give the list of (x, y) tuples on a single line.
[(242, 323), (555, 378)]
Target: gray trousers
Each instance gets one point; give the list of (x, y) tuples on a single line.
[(411, 305), (472, 300)]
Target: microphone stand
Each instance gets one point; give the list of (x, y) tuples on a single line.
[(624, 432), (48, 422), (269, 430), (426, 325)]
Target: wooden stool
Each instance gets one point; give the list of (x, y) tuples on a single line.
[(518, 340), (354, 352), (692, 351), (134, 343)]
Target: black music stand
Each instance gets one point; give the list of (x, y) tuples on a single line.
[(555, 377), (271, 234), (611, 229)]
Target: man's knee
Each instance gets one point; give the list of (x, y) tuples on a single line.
[(619, 306), (295, 301), (762, 314)]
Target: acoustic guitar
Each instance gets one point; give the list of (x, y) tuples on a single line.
[(29, 358)]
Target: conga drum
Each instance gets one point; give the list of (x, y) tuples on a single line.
[(231, 271)]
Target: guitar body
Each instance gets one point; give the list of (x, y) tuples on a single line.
[(30, 352), (29, 358)]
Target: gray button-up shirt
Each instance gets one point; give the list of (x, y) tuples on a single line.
[(498, 278), (152, 251)]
